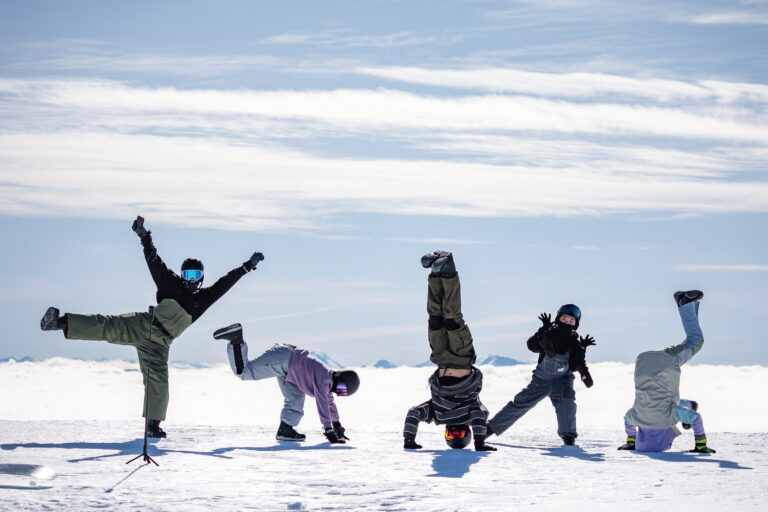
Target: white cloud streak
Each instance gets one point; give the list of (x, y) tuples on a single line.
[(373, 109), (343, 39), (726, 268), (572, 85), (730, 18)]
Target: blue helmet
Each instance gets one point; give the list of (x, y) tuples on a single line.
[(569, 309)]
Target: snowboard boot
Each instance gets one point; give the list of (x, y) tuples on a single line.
[(629, 445), (288, 433), (701, 446), (154, 430), (409, 443), (695, 407), (51, 320), (569, 439), (232, 333), (441, 263), (683, 298)]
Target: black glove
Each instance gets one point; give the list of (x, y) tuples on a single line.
[(585, 342), (138, 227), (547, 345), (629, 445), (410, 444), (251, 263), (586, 378), (330, 434), (480, 446), (339, 430), (546, 320)]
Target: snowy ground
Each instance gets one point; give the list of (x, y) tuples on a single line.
[(81, 419)]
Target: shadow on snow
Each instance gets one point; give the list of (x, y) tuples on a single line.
[(452, 463), (134, 447), (576, 452), (692, 457)]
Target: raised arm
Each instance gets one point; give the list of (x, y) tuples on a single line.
[(157, 268)]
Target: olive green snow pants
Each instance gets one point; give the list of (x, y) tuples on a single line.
[(133, 329), (449, 336)]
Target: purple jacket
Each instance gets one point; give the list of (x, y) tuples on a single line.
[(651, 439), (315, 379)]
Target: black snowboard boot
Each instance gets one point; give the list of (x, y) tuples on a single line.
[(287, 433), (232, 333), (154, 430), (51, 320), (441, 263), (695, 407), (683, 298), (569, 439)]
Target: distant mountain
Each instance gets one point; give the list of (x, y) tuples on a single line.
[(495, 360), (328, 360), (25, 359), (383, 363), (425, 364)]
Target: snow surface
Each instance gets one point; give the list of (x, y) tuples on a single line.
[(82, 418)]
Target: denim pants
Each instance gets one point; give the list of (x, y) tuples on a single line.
[(560, 392)]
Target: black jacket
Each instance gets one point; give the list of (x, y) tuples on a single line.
[(171, 286), (563, 342)]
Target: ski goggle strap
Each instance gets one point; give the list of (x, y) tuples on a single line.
[(192, 275), (455, 433), (341, 389)]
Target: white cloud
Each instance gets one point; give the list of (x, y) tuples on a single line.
[(742, 17), (571, 85), (365, 110), (729, 268), (344, 39)]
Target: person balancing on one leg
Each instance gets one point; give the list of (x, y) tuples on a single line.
[(298, 374), (181, 301), (651, 423), (561, 352), (456, 384)]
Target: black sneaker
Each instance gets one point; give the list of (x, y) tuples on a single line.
[(441, 263), (287, 433), (569, 439), (683, 298), (695, 407), (51, 320), (154, 430), (232, 333)]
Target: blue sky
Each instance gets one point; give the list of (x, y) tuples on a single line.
[(567, 151)]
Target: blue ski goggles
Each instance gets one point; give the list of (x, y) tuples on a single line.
[(341, 389), (192, 275), (571, 309)]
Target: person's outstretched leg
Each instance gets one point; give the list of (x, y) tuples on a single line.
[(563, 398), (524, 401), (272, 363), (688, 308)]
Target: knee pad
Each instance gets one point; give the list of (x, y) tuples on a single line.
[(451, 324), (435, 323)]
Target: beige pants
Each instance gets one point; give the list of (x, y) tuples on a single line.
[(449, 336)]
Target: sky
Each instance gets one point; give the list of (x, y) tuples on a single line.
[(590, 152)]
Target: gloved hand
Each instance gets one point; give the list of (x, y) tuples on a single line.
[(629, 445), (480, 446), (339, 430), (330, 434), (251, 263), (546, 320), (138, 227), (547, 345), (410, 444), (585, 342), (586, 378)]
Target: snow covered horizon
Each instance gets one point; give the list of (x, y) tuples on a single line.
[(83, 419)]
